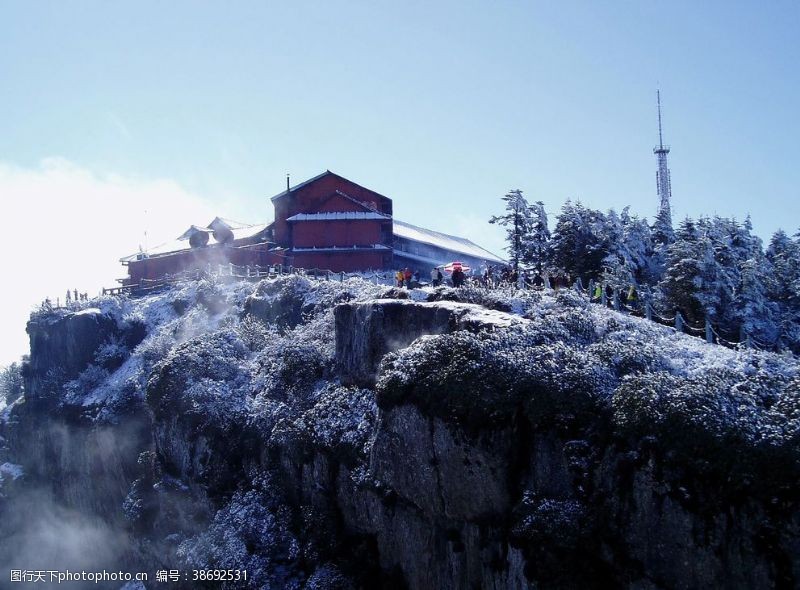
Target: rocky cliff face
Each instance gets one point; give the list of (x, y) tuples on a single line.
[(326, 436)]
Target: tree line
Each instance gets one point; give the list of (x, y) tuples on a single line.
[(711, 268)]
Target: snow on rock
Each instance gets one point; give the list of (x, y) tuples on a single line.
[(343, 433), (11, 470)]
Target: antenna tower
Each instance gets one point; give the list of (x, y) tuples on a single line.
[(663, 183)]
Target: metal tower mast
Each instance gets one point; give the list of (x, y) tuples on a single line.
[(663, 184)]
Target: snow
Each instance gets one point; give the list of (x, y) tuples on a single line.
[(343, 248), (89, 311), (339, 215), (11, 470), (182, 242), (444, 241)]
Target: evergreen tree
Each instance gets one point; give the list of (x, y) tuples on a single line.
[(755, 314), (11, 383), (684, 273), (517, 221), (537, 248), (783, 254), (579, 244), (629, 250)]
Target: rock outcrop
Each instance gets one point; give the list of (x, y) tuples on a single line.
[(320, 437)]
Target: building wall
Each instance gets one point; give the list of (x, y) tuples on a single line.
[(346, 261), (307, 234), (311, 199), (200, 258)]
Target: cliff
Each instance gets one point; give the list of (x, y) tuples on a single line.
[(341, 435)]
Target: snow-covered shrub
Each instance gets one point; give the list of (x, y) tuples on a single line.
[(11, 384), (204, 377), (482, 379), (254, 332), (111, 355), (90, 378), (251, 532), (548, 521), (341, 421)]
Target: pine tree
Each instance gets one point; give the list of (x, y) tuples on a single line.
[(783, 254), (11, 383), (682, 276), (517, 221), (537, 247), (755, 314), (579, 244)]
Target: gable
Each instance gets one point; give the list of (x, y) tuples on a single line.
[(339, 202), (320, 188)]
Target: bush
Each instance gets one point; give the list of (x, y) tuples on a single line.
[(11, 383)]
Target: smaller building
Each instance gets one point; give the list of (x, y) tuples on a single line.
[(422, 249), (222, 241)]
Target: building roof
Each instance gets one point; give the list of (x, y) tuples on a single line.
[(317, 177), (240, 232), (339, 215), (444, 241)]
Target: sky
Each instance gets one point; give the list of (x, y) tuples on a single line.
[(120, 118)]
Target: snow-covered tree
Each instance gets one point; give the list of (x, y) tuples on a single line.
[(580, 241), (536, 246), (11, 383), (517, 221), (755, 314), (784, 255), (688, 283)]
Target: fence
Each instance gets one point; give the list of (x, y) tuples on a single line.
[(253, 273), (678, 322)]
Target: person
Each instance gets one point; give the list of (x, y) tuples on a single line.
[(538, 281), (435, 277), (632, 297), (415, 278), (76, 294), (598, 292), (556, 281), (609, 295), (399, 276), (69, 297), (458, 276), (407, 276)]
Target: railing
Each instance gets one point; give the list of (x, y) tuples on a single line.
[(678, 322), (247, 272)]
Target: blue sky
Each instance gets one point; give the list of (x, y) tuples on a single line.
[(443, 106)]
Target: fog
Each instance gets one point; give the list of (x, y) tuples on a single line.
[(66, 227)]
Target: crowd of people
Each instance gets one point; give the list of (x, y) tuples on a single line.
[(71, 296), (499, 276)]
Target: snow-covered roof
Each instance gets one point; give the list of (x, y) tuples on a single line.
[(338, 215), (229, 223), (417, 258), (444, 241), (343, 248), (193, 229), (240, 232)]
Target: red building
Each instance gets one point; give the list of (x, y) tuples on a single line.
[(327, 222), (332, 223)]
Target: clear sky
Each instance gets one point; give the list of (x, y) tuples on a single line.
[(190, 109)]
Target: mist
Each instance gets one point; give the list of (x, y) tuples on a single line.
[(69, 228)]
